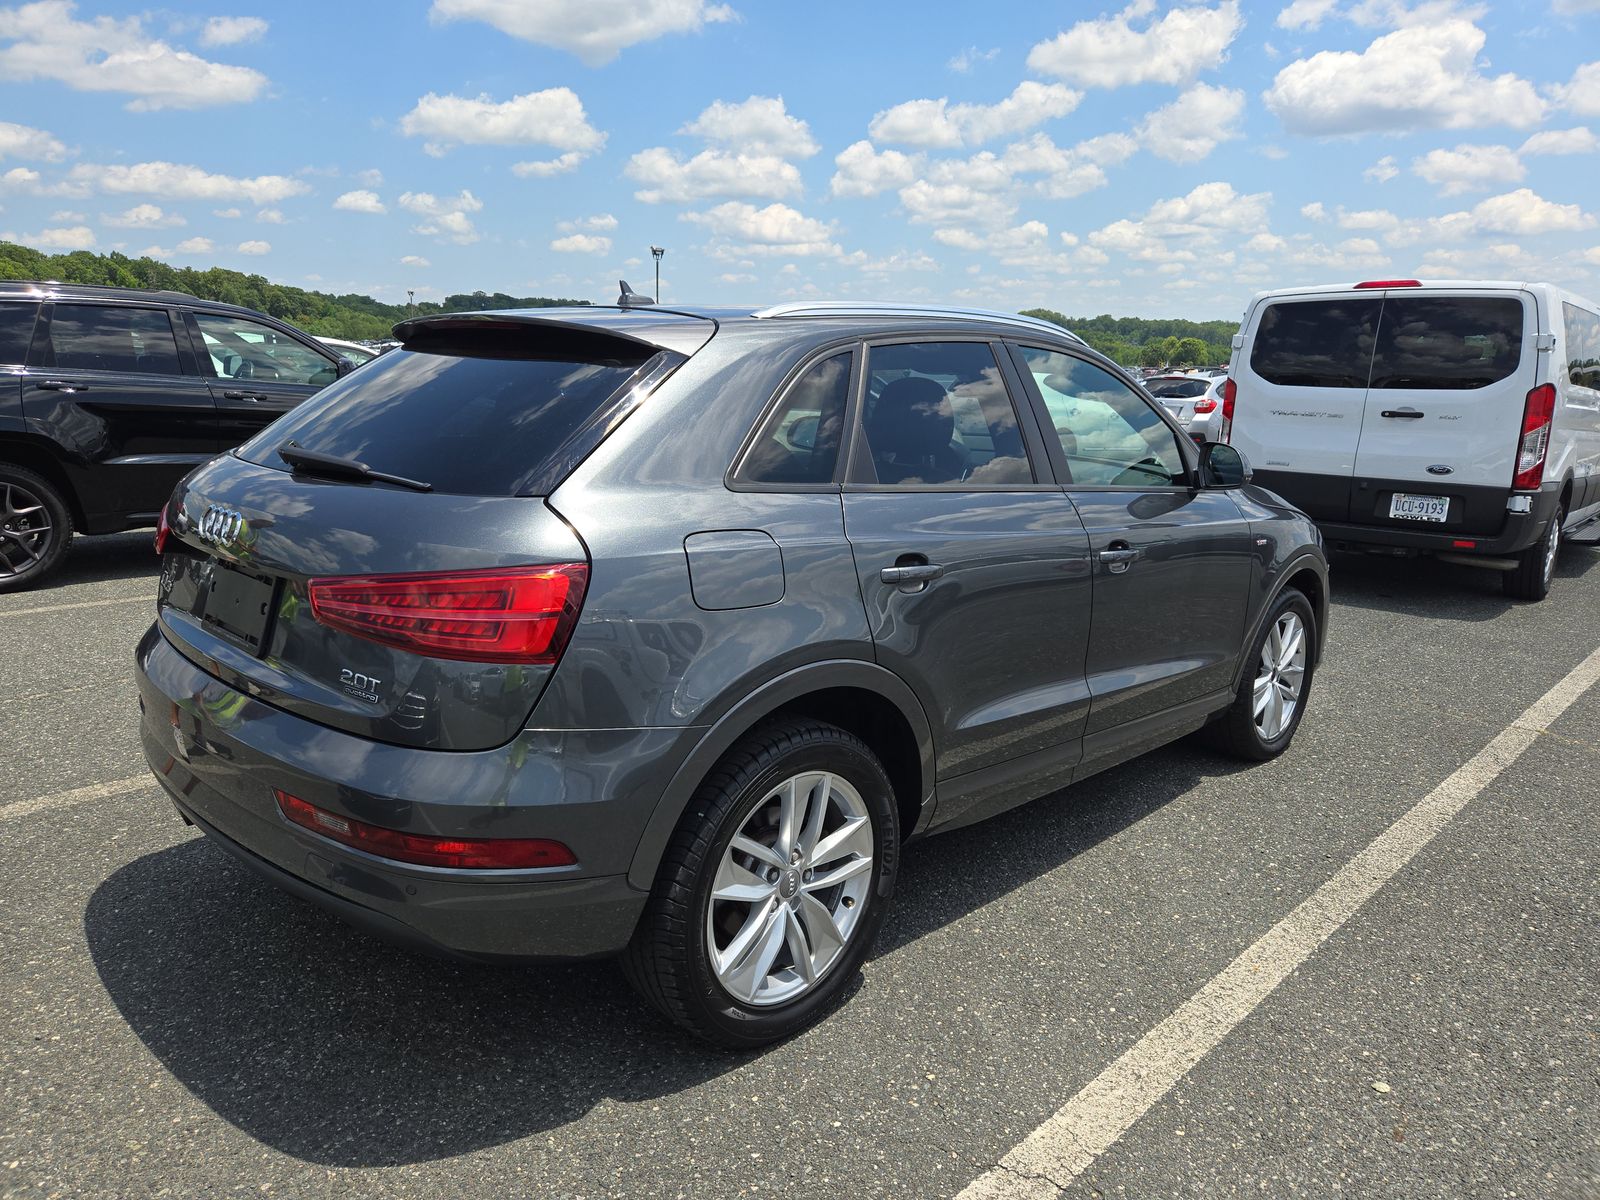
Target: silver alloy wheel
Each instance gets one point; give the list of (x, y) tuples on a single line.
[(791, 889), (25, 529), (1282, 676), (1552, 548)]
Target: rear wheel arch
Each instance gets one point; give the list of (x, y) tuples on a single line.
[(33, 456), (860, 697)]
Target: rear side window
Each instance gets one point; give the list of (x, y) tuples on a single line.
[(938, 414), (799, 443), (1316, 343), (16, 331), (1583, 347), (482, 417), (104, 337), (1447, 342)]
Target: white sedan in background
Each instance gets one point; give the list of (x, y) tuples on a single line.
[(354, 351)]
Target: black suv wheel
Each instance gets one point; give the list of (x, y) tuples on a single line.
[(35, 528)]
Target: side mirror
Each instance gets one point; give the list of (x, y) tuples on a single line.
[(1223, 466), (346, 365)]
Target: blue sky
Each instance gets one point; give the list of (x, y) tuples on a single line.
[(1152, 159)]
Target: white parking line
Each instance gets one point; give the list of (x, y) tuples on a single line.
[(50, 608), (1089, 1124), (97, 791)]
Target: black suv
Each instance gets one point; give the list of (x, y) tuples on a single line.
[(109, 396)]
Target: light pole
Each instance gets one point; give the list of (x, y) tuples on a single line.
[(411, 299), (656, 252)]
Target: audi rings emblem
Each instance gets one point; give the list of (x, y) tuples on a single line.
[(220, 526)]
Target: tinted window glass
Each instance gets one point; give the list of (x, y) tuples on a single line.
[(464, 421), (16, 331), (1110, 435), (1447, 341), (939, 413), (1183, 389), (1316, 343), (95, 337), (256, 353), (1583, 347), (800, 441)]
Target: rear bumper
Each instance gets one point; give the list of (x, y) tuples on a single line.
[(220, 754)]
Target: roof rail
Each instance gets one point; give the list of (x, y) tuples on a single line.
[(852, 308), (99, 287)]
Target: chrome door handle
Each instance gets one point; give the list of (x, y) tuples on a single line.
[(918, 573), (62, 385), (1118, 558)]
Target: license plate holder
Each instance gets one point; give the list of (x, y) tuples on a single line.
[(238, 605), (1408, 506)]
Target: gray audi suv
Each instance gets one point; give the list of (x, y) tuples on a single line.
[(657, 633)]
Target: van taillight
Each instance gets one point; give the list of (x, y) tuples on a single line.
[(1389, 283), (508, 615), (1229, 391), (1537, 413)]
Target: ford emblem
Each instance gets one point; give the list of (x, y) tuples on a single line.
[(1440, 469)]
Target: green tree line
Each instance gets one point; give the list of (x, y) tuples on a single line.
[(349, 316), (1138, 342)]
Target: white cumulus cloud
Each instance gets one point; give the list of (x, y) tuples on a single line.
[(196, 245), (1419, 77), (180, 181), (142, 216), (414, 260), (938, 123), (1469, 168), (554, 117), (1561, 141), (582, 243), (360, 201), (1109, 52), (23, 141), (1582, 94), (105, 54), (668, 177), (230, 31), (775, 229), (595, 31), (70, 237), (1193, 125), (255, 247), (863, 170), (758, 125), (444, 217)]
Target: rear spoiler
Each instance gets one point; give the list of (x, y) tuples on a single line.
[(651, 329)]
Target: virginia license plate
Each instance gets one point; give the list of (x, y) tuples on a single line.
[(1406, 507)]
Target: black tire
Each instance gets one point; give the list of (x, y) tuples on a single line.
[(35, 528), (668, 960), (1235, 732), (1536, 566)]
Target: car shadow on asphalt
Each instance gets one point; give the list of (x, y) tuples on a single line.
[(109, 557), (332, 1046), (1429, 588)]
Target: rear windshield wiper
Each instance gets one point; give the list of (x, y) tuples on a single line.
[(332, 466)]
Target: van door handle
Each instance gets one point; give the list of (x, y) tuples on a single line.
[(915, 573), (1118, 557), (62, 385), (1409, 414)]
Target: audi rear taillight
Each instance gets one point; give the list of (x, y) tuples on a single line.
[(163, 532), (478, 854), (1229, 391), (1537, 413), (503, 615), (1205, 404)]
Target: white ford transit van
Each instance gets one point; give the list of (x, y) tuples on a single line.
[(1459, 419)]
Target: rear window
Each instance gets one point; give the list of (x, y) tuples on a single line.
[(1447, 342), (106, 337), (1583, 347), (1316, 343), (16, 331), (469, 418), (1177, 389)]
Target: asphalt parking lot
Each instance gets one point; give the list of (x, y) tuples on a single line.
[(175, 1027)]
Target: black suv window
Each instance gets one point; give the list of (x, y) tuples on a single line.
[(248, 350), (799, 443), (16, 331), (1316, 343), (105, 337), (1110, 435), (937, 413), (1447, 341), (1583, 347), (475, 417)]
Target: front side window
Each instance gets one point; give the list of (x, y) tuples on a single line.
[(1447, 342), (938, 414), (799, 443), (1316, 343), (256, 353), (16, 331), (105, 337), (1583, 347), (1109, 435)]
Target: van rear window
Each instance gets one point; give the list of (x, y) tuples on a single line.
[(474, 418), (1316, 343), (1447, 342)]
